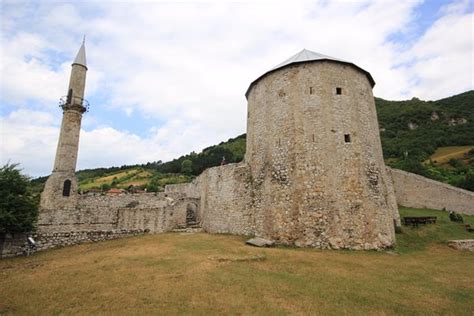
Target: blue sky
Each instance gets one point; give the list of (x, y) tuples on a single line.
[(167, 78)]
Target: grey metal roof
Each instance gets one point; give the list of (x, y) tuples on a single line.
[(81, 56), (308, 56), (304, 55)]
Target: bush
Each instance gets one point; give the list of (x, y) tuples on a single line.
[(18, 207), (152, 187), (455, 217)]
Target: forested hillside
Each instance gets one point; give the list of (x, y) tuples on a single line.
[(411, 132)]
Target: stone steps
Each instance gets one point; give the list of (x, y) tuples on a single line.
[(187, 230)]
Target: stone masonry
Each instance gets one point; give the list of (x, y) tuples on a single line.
[(412, 190)]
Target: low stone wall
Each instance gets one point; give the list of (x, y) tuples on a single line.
[(156, 212), (12, 245), (412, 190), (61, 239)]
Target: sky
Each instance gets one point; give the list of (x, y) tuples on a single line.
[(168, 78)]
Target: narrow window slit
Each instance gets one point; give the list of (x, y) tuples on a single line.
[(310, 90), (338, 91), (67, 188), (347, 138)]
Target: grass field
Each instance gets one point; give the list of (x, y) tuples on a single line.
[(134, 176), (443, 154), (217, 274)]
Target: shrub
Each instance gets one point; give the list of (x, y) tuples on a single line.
[(455, 217), (18, 207)]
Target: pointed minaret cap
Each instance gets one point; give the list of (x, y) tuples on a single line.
[(81, 55)]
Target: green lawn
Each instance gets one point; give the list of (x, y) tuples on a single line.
[(419, 238), (217, 274)]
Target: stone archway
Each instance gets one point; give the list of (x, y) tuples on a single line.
[(191, 214)]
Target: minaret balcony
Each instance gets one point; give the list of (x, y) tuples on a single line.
[(74, 103)]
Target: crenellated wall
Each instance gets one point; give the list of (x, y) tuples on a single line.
[(412, 190)]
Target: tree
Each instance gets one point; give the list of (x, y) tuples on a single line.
[(187, 167), (18, 207)]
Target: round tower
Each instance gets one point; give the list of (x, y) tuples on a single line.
[(61, 187), (313, 148)]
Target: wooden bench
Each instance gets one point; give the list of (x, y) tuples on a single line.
[(415, 221)]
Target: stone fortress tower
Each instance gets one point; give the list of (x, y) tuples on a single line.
[(314, 155), (61, 187)]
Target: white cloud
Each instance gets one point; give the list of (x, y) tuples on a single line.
[(189, 64), (444, 56)]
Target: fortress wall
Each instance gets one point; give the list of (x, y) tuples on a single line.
[(412, 190), (224, 195), (186, 189), (100, 217)]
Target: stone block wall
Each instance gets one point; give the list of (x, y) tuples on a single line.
[(224, 197), (101, 217), (156, 212), (12, 245), (61, 239), (412, 190)]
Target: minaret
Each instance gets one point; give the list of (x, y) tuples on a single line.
[(61, 187)]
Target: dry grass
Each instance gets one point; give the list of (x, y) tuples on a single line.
[(444, 154), (218, 274)]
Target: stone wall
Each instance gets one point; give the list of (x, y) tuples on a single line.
[(412, 190), (223, 196), (224, 200), (12, 245), (94, 217), (156, 212), (61, 239)]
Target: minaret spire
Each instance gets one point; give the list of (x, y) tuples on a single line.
[(81, 54), (61, 187)]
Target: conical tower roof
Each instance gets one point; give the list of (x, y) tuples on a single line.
[(308, 56), (305, 55), (81, 56)]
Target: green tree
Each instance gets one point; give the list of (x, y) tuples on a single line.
[(18, 206), (187, 167)]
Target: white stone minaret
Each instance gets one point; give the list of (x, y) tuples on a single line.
[(61, 187)]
